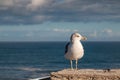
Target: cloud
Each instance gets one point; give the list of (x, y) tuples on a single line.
[(29, 34), (104, 34), (61, 30), (6, 2), (94, 34), (27, 11), (65, 30), (107, 32), (36, 4)]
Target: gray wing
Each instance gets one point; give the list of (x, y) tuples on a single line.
[(66, 47)]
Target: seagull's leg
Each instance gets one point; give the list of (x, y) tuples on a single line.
[(71, 64), (76, 63)]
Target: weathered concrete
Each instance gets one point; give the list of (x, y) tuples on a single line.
[(86, 74)]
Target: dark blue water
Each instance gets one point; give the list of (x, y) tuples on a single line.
[(25, 60)]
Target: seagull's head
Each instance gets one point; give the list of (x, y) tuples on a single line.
[(77, 36)]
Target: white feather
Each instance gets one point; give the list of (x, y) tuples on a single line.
[(75, 51)]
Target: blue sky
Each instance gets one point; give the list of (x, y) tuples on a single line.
[(56, 20)]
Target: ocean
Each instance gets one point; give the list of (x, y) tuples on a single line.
[(27, 60)]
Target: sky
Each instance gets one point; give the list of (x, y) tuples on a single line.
[(56, 20)]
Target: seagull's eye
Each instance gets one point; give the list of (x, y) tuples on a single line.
[(77, 36)]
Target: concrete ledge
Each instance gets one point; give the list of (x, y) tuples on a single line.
[(86, 74)]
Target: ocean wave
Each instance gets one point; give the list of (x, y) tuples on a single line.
[(23, 72), (30, 69)]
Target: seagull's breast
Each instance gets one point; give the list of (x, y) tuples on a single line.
[(76, 48), (75, 51)]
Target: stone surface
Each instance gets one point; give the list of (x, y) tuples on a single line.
[(86, 74)]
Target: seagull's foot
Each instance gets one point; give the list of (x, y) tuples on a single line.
[(76, 68)]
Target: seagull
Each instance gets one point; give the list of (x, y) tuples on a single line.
[(74, 49)]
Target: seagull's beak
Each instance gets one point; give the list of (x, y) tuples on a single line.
[(84, 38)]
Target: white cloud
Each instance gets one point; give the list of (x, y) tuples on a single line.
[(6, 2), (75, 30), (94, 6), (29, 34), (101, 34), (107, 32), (94, 34), (35, 4), (61, 30), (65, 30), (39, 18)]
